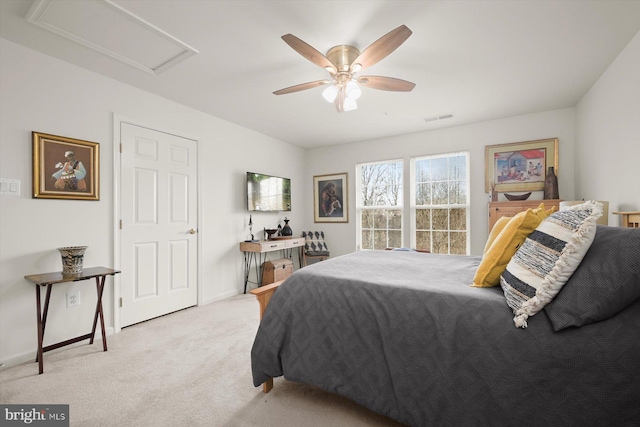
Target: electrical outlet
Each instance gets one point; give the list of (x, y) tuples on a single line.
[(73, 298)]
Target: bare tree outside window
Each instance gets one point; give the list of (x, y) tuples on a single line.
[(441, 201), (380, 204), (440, 204)]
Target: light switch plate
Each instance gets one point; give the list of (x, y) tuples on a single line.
[(9, 187)]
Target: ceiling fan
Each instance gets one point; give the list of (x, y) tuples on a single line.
[(343, 62)]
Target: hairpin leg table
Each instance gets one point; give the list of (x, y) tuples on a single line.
[(50, 279)]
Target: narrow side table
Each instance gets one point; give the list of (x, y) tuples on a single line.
[(630, 219), (50, 279)]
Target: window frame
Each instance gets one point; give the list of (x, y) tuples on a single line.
[(413, 207), (360, 208)]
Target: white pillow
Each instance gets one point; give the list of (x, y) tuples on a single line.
[(548, 258)]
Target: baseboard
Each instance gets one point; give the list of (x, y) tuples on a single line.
[(30, 356), (220, 297)]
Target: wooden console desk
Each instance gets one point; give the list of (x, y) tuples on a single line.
[(254, 252), (49, 279)]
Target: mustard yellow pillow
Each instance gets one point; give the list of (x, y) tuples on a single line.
[(500, 224), (505, 245)]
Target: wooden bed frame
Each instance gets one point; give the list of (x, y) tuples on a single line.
[(263, 295)]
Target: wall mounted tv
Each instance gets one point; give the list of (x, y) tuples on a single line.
[(266, 193)]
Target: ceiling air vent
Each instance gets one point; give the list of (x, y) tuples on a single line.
[(436, 118)]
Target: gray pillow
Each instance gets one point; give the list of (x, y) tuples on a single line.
[(606, 281)]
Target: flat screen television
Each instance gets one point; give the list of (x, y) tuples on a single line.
[(267, 193)]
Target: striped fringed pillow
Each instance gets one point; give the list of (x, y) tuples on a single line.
[(548, 258)]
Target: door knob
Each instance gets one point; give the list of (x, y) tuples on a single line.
[(192, 231)]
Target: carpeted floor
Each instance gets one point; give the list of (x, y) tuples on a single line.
[(189, 368)]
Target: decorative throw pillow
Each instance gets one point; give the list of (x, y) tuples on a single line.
[(547, 259), (314, 244), (500, 224), (606, 281), (506, 244)]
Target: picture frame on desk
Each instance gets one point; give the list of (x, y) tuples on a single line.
[(519, 166)]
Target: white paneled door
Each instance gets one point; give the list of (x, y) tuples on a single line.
[(159, 236)]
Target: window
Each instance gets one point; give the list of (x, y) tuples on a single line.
[(379, 204), (440, 203)]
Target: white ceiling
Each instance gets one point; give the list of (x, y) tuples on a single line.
[(479, 60)]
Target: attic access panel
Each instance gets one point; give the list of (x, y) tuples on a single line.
[(110, 29)]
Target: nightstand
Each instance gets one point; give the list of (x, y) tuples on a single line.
[(630, 219)]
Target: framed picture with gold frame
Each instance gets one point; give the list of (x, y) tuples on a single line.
[(330, 195), (519, 166), (65, 168)]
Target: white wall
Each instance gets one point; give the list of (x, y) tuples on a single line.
[(608, 134), (472, 138), (39, 93), (599, 152)]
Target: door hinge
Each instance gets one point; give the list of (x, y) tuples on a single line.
[(120, 224), (121, 148), (120, 302)]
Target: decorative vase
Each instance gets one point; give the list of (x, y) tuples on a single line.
[(286, 230), (72, 257), (551, 185), (493, 194)]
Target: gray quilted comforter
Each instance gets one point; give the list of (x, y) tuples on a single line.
[(404, 335)]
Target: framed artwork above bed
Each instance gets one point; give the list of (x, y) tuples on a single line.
[(519, 166)]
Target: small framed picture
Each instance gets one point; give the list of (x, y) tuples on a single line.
[(519, 166), (330, 195), (65, 168)]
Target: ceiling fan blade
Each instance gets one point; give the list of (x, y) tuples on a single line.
[(302, 86), (382, 47), (386, 83), (309, 52)]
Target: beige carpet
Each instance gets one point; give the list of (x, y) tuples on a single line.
[(190, 368)]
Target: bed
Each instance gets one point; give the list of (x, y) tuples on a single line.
[(403, 334)]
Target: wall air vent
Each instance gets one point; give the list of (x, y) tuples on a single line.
[(440, 117)]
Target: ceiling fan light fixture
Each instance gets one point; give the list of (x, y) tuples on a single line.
[(343, 62), (353, 90), (350, 104), (330, 93)]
